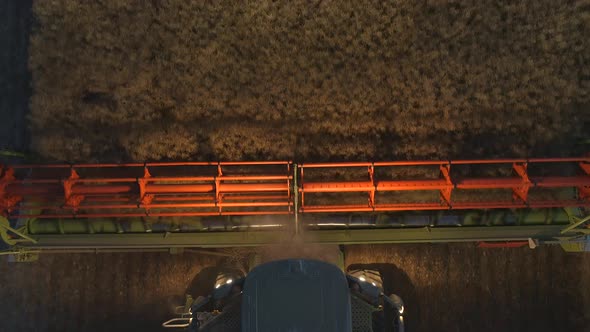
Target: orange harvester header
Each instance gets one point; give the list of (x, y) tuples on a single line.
[(185, 189)]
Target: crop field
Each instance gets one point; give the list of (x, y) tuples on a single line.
[(320, 80)]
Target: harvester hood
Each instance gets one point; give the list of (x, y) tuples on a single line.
[(296, 295)]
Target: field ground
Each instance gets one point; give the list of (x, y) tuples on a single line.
[(446, 287), (458, 287)]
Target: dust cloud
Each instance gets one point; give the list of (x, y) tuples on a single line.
[(300, 247)]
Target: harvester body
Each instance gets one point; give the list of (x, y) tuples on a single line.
[(295, 295)]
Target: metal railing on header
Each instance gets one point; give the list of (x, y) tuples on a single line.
[(151, 189), (185, 189), (519, 187)]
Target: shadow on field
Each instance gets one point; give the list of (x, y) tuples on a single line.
[(15, 77), (396, 281)]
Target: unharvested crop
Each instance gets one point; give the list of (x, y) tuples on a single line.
[(323, 80)]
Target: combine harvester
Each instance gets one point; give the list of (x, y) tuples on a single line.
[(179, 205)]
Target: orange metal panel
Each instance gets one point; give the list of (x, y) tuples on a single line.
[(335, 165), (254, 204), (258, 187), (239, 197), (337, 187), (410, 163), (413, 185), (255, 178), (178, 205), (179, 188), (180, 178), (561, 181)]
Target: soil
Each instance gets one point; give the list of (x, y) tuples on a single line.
[(446, 287), (459, 287), (87, 292)]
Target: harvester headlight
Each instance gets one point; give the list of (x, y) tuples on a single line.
[(362, 278), (374, 284), (401, 310), (217, 286), (229, 281)]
